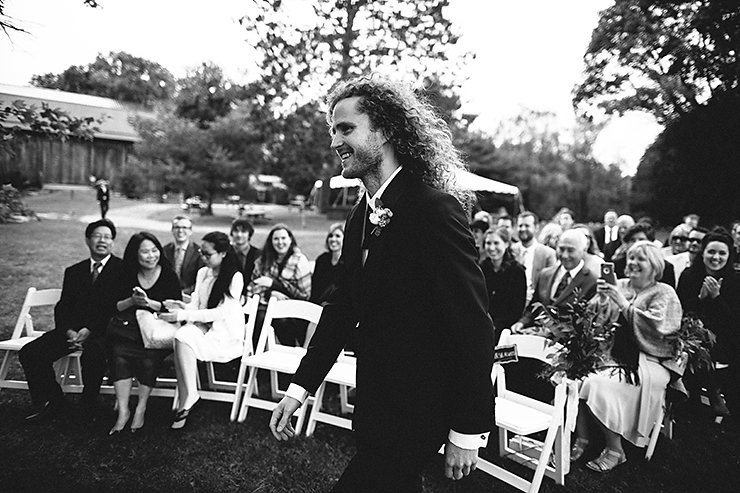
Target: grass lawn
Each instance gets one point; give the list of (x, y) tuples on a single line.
[(215, 455)]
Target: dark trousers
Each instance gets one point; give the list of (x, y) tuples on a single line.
[(38, 356)]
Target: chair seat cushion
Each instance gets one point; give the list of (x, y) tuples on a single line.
[(520, 419), (342, 373)]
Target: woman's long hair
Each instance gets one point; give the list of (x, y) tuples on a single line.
[(229, 266), (131, 265), (503, 233), (269, 255), (720, 235), (421, 139)]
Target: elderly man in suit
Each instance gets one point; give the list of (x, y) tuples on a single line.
[(533, 255), (609, 232), (413, 292), (80, 317), (183, 254), (558, 285)]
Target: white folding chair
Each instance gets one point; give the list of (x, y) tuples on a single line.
[(25, 332), (343, 373), (272, 356), (521, 416)]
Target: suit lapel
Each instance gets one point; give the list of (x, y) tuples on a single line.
[(574, 283), (391, 200)]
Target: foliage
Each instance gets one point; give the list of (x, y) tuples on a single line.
[(551, 167), (665, 57), (302, 58), (119, 75), (205, 94), (11, 205), (584, 338), (692, 166), (696, 341)]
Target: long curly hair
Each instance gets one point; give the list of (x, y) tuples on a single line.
[(269, 254), (420, 138)]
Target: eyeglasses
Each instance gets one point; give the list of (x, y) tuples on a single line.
[(181, 227), (205, 254), (97, 237), (680, 238)]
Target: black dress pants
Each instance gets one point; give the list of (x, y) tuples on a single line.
[(38, 356)]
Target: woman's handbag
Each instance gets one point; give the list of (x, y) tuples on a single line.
[(156, 333), (122, 326)]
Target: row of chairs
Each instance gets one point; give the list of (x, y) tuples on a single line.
[(518, 417), (269, 355)]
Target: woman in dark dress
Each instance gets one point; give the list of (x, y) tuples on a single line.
[(328, 266), (147, 281), (710, 289), (505, 280)]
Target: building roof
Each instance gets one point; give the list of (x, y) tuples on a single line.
[(115, 116)]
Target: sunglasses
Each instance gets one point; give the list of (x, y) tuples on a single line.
[(205, 254), (694, 240)]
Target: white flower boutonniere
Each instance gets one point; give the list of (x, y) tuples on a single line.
[(380, 218)]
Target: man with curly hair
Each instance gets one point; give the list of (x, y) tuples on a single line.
[(412, 290)]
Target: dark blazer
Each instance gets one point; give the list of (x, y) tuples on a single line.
[(507, 293), (424, 340), (600, 235), (246, 264), (83, 304), (610, 249), (190, 264), (585, 281)]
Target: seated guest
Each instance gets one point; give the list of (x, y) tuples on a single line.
[(565, 218), (328, 265), (147, 280), (479, 228), (608, 232), (182, 253), (642, 232), (691, 220), (505, 280), (246, 253), (710, 290), (550, 234), (625, 397), (678, 241), (616, 249), (80, 318), (534, 256), (283, 272), (683, 260), (735, 231), (558, 285), (593, 256), (214, 329)]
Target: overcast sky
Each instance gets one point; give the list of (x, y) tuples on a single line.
[(529, 52)]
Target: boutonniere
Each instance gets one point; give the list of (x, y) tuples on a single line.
[(380, 218)]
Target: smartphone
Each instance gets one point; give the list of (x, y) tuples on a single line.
[(607, 272)]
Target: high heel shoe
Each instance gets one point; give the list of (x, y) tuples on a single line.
[(114, 431), (182, 415)]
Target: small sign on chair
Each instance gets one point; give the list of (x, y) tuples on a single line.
[(505, 354)]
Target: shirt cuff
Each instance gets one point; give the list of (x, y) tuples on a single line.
[(296, 392), (469, 442), (182, 315)]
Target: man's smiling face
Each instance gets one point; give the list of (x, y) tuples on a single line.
[(354, 140)]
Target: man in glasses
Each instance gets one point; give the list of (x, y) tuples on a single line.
[(183, 253), (678, 240), (80, 318), (682, 260)]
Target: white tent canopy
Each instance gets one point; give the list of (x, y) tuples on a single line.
[(465, 179)]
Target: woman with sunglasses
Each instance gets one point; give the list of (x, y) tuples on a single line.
[(214, 321)]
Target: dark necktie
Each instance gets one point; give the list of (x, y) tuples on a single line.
[(562, 285), (96, 271)]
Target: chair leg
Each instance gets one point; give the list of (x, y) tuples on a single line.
[(248, 394), (302, 411), (274, 385), (318, 398), (4, 368), (238, 392), (654, 434), (547, 448), (344, 399)]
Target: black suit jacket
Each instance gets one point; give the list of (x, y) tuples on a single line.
[(84, 304), (425, 340), (190, 264)]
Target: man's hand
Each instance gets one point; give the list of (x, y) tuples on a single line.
[(516, 328), (82, 335), (280, 424), (459, 462)]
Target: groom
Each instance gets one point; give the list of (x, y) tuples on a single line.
[(412, 290)]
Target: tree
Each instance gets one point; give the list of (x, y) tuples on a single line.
[(206, 94), (346, 38), (665, 57), (119, 75), (8, 23), (693, 166)]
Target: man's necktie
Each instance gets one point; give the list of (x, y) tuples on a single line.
[(562, 285), (179, 257), (96, 271)]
